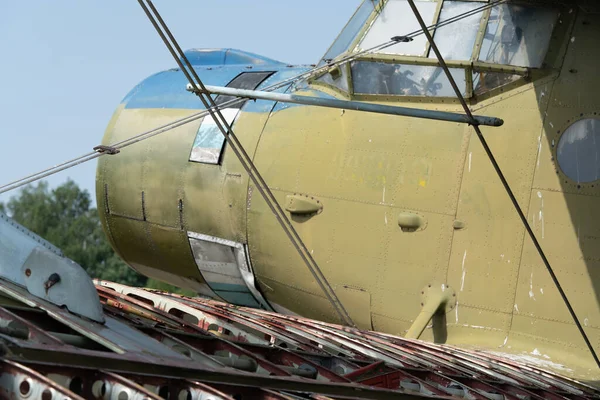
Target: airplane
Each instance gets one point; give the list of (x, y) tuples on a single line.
[(405, 217), (393, 209)]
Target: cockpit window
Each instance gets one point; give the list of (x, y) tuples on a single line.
[(404, 80), (337, 77), (397, 19), (455, 40), (350, 31), (208, 145), (518, 35), (487, 46)]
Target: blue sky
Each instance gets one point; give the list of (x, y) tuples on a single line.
[(66, 65)]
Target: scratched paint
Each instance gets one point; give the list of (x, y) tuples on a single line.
[(464, 272), (470, 158), (456, 312)]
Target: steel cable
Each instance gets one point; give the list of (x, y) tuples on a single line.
[(302, 76), (247, 163)]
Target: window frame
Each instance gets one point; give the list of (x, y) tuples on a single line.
[(471, 65), (236, 114)]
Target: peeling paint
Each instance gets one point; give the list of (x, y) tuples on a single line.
[(456, 312), (475, 326), (516, 308), (470, 157), (529, 359), (531, 294)]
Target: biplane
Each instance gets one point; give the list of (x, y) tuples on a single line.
[(415, 215)]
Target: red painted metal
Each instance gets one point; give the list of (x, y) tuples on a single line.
[(224, 346)]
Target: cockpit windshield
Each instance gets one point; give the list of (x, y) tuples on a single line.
[(476, 38), (397, 19)]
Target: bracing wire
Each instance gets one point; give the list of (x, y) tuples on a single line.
[(246, 161), (292, 80)]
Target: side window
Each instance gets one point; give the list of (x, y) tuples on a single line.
[(208, 145), (484, 81), (404, 80), (396, 19), (577, 151), (518, 35), (337, 77)]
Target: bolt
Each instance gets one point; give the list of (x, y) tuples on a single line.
[(27, 272)]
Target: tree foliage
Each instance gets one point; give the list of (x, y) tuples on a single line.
[(65, 217)]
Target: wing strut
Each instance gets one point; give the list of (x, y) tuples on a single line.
[(244, 159), (348, 105), (509, 191)]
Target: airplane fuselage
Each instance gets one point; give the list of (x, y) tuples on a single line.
[(393, 209)]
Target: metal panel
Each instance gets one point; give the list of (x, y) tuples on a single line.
[(30, 261), (225, 267), (233, 359)]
